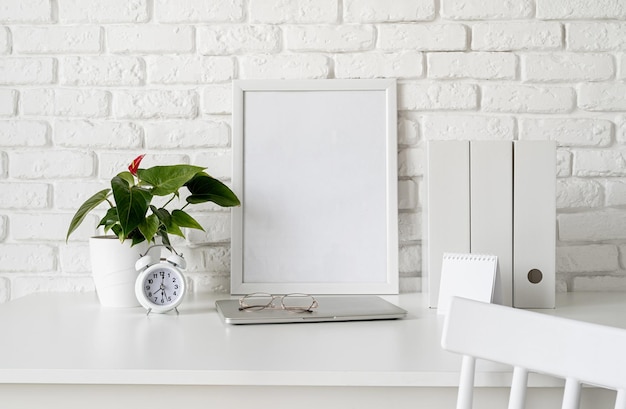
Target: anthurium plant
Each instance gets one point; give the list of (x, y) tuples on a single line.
[(132, 216)]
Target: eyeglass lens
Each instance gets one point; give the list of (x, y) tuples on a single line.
[(295, 302), (302, 302)]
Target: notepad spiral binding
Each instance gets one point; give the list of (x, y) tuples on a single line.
[(469, 257)]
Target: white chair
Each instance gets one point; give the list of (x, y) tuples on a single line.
[(579, 352)]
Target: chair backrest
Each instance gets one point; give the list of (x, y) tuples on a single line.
[(579, 352)]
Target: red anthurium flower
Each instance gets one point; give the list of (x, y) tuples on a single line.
[(134, 165)]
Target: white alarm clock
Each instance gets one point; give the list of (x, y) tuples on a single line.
[(160, 286)]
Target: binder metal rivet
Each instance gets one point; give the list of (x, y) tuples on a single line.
[(535, 276)]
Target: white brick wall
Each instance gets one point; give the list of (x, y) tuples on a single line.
[(86, 85)]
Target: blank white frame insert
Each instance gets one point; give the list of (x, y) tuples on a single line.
[(315, 166)]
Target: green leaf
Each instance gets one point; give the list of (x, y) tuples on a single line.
[(165, 239), (118, 231), (149, 227), (204, 188), (85, 208), (110, 218), (174, 229), (137, 238), (166, 220), (127, 176), (162, 214), (183, 219), (166, 180), (132, 204)]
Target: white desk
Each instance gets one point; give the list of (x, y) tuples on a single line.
[(64, 350)]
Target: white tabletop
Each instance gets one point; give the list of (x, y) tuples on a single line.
[(69, 338)]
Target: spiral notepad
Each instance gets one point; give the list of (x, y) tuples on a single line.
[(466, 275)]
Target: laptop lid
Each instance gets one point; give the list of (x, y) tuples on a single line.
[(330, 308)]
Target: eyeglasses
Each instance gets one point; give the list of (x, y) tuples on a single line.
[(296, 302)]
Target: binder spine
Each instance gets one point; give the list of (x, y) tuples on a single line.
[(446, 214), (534, 230), (491, 203)]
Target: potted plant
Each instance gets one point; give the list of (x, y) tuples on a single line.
[(132, 221)]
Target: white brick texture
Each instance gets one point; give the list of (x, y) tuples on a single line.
[(65, 102), (217, 99), (24, 195), (582, 259), (293, 11), (8, 99), (528, 98), (50, 165), (568, 131), (616, 192), (153, 39), (186, 11), (27, 71), (186, 134), (437, 96), (464, 127), (100, 134), (102, 71), (236, 39), (189, 70), (375, 65), (26, 11), (567, 67), (579, 193), (516, 35), (599, 225), (28, 258), (331, 38), (478, 65), (284, 66), (103, 11), (374, 11), (435, 37), (480, 9), (595, 36), (87, 85), (57, 40), (602, 97), (5, 41), (580, 9), (147, 104), (20, 133)]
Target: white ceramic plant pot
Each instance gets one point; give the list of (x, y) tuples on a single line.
[(113, 268)]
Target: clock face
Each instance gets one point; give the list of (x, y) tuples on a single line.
[(162, 287)]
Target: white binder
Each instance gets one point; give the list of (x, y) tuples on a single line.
[(534, 218), (447, 208), (491, 198)]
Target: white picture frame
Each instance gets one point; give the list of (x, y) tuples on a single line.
[(315, 167)]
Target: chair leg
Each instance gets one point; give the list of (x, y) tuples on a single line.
[(571, 395), (620, 401), (466, 383), (517, 398)]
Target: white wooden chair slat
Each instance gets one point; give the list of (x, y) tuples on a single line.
[(571, 394), (466, 383), (579, 352), (517, 400), (620, 400)]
